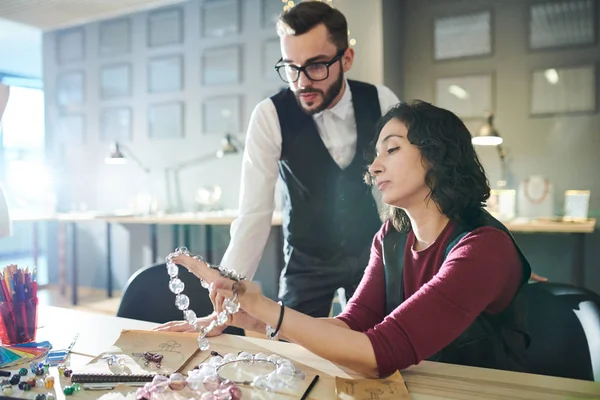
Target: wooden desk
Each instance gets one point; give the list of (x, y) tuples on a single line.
[(426, 381)]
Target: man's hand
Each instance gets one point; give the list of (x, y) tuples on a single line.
[(183, 326), (537, 278)]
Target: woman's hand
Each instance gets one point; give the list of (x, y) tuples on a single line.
[(183, 326), (248, 293)]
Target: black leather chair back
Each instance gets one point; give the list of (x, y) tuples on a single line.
[(147, 297), (564, 324)]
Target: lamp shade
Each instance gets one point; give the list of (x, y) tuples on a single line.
[(5, 221), (487, 135), (115, 156)]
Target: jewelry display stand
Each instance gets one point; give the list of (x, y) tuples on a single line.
[(536, 197)]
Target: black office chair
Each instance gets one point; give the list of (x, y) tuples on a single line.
[(564, 324), (147, 297)]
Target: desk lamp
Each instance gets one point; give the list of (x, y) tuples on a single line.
[(229, 145), (116, 156), (487, 135)]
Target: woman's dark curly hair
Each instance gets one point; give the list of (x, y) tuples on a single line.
[(456, 177)]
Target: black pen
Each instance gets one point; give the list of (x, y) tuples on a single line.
[(310, 387)]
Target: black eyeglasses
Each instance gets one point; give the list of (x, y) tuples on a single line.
[(318, 71)]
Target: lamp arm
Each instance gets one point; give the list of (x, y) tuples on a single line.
[(189, 163), (502, 156), (136, 160), (237, 141)]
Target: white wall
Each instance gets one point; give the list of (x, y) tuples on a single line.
[(20, 49), (365, 25)]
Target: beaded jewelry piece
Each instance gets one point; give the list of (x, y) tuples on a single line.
[(153, 357), (281, 375), (176, 285)]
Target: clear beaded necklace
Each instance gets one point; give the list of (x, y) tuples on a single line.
[(176, 285)]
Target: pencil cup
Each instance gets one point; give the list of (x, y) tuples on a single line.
[(18, 306)]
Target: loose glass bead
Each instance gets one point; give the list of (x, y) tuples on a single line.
[(183, 250), (203, 344), (222, 318), (49, 382), (32, 382), (50, 396), (41, 396), (172, 270), (190, 316), (176, 285), (231, 306), (24, 386), (23, 371), (7, 389), (40, 372), (211, 383), (260, 357), (244, 356), (61, 369), (76, 387), (67, 373), (15, 379), (68, 390), (182, 301), (234, 392), (177, 381)]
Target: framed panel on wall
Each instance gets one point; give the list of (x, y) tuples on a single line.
[(70, 46), (70, 129), (558, 24), (70, 88), (270, 11), (115, 124), (220, 18), (221, 66), (222, 115), (165, 27), (271, 54), (115, 37), (165, 120), (165, 74), (467, 35), (115, 81), (468, 96), (564, 90)]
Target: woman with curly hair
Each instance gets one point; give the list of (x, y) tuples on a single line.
[(444, 280)]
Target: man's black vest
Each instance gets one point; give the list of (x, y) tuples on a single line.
[(328, 211), (492, 341)]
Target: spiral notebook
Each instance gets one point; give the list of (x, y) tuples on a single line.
[(176, 348)]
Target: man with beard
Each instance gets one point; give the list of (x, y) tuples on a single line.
[(316, 135)]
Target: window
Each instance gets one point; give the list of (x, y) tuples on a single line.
[(27, 178)]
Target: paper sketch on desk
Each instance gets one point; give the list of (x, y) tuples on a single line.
[(391, 388), (176, 348)]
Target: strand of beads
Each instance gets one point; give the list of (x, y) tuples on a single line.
[(279, 372), (176, 285)]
